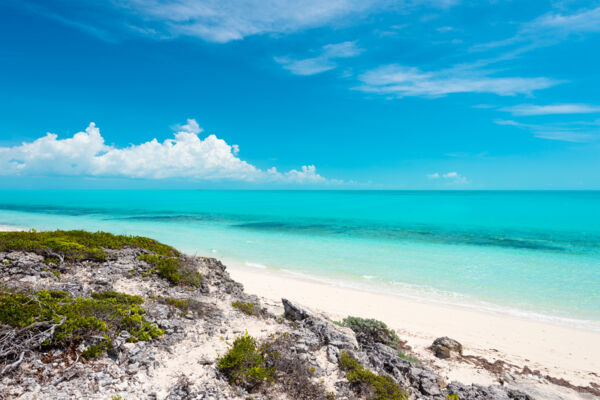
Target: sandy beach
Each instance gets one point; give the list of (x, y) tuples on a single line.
[(558, 351)]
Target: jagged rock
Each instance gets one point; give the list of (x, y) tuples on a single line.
[(444, 347), (327, 332)]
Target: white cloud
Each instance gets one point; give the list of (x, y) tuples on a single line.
[(321, 63), (225, 20), (532, 109), (450, 177), (401, 81), (184, 156), (581, 21), (576, 132), (217, 21), (549, 29)]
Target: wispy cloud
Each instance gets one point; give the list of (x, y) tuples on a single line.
[(451, 177), (587, 20), (221, 21), (325, 61), (184, 156), (532, 109), (549, 29), (576, 132), (400, 81)]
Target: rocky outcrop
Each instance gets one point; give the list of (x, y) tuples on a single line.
[(198, 324)]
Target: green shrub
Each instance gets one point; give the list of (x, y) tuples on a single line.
[(452, 396), (246, 308), (376, 387), (182, 304), (78, 244), (79, 319), (371, 330), (96, 350), (171, 269), (244, 364)]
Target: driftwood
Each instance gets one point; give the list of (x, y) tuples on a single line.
[(16, 343)]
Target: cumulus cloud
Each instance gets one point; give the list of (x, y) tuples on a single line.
[(532, 109), (451, 177), (325, 61), (401, 81), (184, 156)]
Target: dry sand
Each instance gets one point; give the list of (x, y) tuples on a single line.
[(558, 351)]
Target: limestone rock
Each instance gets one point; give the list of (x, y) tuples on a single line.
[(444, 347)]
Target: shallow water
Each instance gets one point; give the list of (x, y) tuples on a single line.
[(531, 253)]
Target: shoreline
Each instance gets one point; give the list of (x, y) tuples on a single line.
[(424, 297), (563, 352)]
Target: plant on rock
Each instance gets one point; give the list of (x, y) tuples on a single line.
[(244, 364), (373, 386)]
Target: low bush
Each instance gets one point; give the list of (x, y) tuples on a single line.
[(172, 269), (272, 365), (58, 320), (369, 384), (246, 308), (374, 331), (77, 244), (244, 365), (296, 376)]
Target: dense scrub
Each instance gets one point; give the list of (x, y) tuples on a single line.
[(77, 245), (172, 269), (269, 365), (188, 306), (244, 364), (54, 319), (369, 384), (374, 331)]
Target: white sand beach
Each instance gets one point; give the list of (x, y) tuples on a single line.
[(558, 351)]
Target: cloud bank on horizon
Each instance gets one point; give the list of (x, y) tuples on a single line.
[(184, 156)]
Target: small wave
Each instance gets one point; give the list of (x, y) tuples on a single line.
[(368, 277), (255, 265), (213, 250), (11, 228)]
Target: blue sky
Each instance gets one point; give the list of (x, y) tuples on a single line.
[(420, 94)]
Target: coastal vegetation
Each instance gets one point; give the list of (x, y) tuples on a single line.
[(373, 386), (369, 330), (54, 319), (77, 245), (244, 364), (271, 364), (246, 308), (172, 269)]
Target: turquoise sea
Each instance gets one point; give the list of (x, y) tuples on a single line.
[(535, 254)]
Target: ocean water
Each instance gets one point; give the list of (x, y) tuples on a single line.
[(534, 254)]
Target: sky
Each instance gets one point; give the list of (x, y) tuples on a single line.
[(343, 94)]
